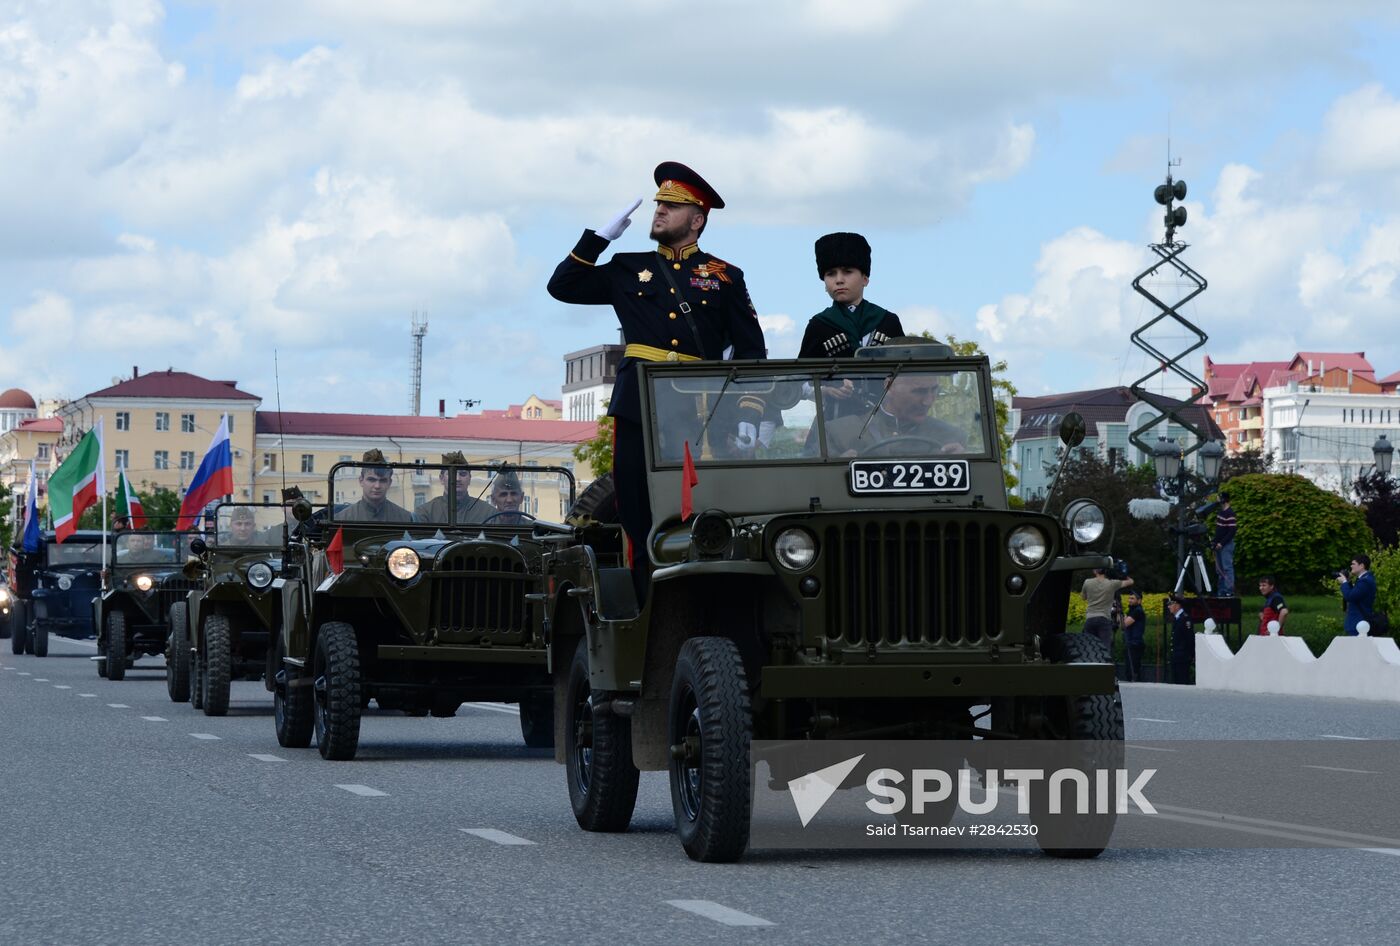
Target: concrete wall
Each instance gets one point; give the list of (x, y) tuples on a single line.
[(1358, 668)]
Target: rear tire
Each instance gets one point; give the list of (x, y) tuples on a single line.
[(37, 639), (177, 655), (537, 722), (197, 675), (337, 684), (291, 706), (19, 629), (116, 646), (598, 759), (217, 664), (710, 727)]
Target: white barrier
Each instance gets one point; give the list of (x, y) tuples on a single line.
[(1358, 668)]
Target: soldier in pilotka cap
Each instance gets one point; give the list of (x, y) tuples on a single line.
[(675, 303), (376, 477), (507, 496), (469, 508)]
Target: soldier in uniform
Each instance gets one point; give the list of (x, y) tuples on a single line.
[(506, 496), (374, 505), (241, 526), (469, 508), (904, 413), (675, 303)]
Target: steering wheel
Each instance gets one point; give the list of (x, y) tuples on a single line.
[(935, 446), (508, 512)]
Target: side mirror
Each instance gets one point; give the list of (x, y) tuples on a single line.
[(301, 510), (198, 546), (194, 569), (1072, 429)]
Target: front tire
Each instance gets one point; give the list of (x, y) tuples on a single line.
[(337, 692), (177, 655), (37, 637), (709, 727), (291, 705), (598, 761), (537, 722), (218, 664), (116, 646)]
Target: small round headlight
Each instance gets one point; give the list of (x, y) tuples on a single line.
[(712, 533), (1085, 520), (144, 582), (1027, 546), (260, 575), (795, 549), (403, 564), (4, 595)]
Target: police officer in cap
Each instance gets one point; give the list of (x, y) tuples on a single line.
[(674, 303), (469, 508), (376, 477)]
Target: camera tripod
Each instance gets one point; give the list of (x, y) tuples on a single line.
[(1195, 565)]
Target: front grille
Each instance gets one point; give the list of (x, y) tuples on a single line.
[(928, 583), (172, 589), (485, 594)]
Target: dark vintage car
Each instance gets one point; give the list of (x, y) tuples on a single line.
[(133, 613), (51, 590)]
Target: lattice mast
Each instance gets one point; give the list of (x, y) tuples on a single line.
[(420, 328)]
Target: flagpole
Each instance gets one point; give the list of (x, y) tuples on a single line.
[(102, 488)]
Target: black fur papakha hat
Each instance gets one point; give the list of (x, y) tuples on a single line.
[(843, 249)]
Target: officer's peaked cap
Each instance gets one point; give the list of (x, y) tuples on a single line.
[(842, 249), (680, 185)]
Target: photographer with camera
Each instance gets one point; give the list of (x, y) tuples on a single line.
[(1099, 594), (1224, 541), (1358, 593)]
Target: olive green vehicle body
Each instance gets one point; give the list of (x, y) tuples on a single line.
[(254, 614), (912, 622), (146, 613), (469, 626)]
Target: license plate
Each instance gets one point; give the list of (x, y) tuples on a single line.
[(869, 477)]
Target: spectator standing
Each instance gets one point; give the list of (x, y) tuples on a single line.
[(1359, 593), (1274, 607), (1134, 630), (1225, 527), (1183, 640), (1099, 593)]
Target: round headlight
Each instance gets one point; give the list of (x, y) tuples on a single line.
[(260, 575), (403, 564), (65, 582), (1027, 546), (1085, 520), (795, 549), (4, 595), (143, 582)]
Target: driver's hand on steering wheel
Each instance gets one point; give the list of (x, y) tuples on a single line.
[(953, 448), (839, 391)]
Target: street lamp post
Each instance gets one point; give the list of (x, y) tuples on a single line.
[(1384, 452), (1173, 476)]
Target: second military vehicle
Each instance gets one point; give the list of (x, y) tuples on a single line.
[(857, 573), (51, 590), (133, 613)]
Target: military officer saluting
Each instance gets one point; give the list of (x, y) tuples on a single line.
[(376, 476), (469, 508), (675, 303)]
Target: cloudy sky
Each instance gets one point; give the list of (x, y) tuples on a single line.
[(197, 184)]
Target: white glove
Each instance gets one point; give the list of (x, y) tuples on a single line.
[(614, 227), (748, 436)]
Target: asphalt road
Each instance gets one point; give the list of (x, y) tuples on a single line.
[(125, 818)]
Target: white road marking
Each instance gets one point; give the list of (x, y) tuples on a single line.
[(719, 913), (89, 695), (1392, 851), (1335, 768), (1353, 738), (495, 837), (41, 679), (363, 790), (204, 735), (61, 686), (495, 708), (118, 706), (25, 673), (1149, 719), (1149, 748), (263, 757), (1231, 822), (155, 719)]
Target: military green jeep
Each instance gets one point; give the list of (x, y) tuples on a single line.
[(223, 631), (133, 614), (855, 574), (418, 597)]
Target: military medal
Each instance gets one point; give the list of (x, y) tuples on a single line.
[(644, 276)]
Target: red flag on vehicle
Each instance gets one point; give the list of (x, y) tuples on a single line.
[(335, 552), (688, 481)]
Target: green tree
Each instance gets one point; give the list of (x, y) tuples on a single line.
[(1247, 461), (161, 504), (597, 451), (1293, 529), (1002, 389), (1378, 496)]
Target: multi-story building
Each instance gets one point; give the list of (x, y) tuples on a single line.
[(1110, 415), (534, 408), (1235, 394), (588, 381)]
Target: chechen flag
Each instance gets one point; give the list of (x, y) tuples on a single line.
[(212, 481), (128, 503), (77, 483)]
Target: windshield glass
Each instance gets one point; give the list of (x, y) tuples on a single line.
[(74, 552), (247, 525), (145, 548), (481, 495), (889, 411)]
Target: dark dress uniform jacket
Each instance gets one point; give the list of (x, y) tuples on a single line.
[(649, 312)]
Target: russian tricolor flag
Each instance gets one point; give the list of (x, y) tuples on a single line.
[(212, 481)]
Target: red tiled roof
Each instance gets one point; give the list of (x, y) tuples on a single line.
[(42, 425), (1246, 378), (1040, 416), (175, 384), (1355, 360), (461, 427), (1393, 378)]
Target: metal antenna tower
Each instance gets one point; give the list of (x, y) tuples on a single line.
[(420, 328), (1169, 260)]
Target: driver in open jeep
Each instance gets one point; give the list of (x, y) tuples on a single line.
[(902, 414)]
